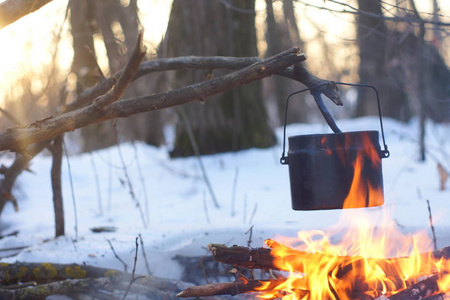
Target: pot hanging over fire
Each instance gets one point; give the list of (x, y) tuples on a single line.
[(337, 170)]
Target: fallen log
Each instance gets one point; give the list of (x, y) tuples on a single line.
[(45, 279)]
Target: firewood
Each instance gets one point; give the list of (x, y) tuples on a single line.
[(350, 268), (419, 290), (250, 258), (261, 258), (241, 285), (440, 296)]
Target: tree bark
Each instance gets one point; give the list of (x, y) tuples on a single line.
[(84, 64), (235, 120)]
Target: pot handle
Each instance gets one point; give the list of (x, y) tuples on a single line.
[(384, 153)]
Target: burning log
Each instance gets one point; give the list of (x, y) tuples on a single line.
[(348, 270), (261, 258), (240, 286), (419, 290)]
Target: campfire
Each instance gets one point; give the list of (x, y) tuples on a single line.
[(364, 257), (361, 265), (367, 258)]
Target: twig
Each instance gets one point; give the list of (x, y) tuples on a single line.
[(233, 193), (94, 59), (72, 190), (205, 208), (14, 233), (149, 272), (125, 77), (432, 226), (134, 270), (144, 186), (198, 156), (13, 248), (250, 231), (128, 179), (125, 266), (255, 208), (97, 184), (108, 204), (10, 117), (202, 267), (245, 208)]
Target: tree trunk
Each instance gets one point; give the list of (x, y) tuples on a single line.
[(58, 206), (372, 36), (238, 119), (118, 25), (279, 35)]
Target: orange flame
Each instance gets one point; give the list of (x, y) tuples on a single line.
[(371, 259), (355, 268), (362, 193)]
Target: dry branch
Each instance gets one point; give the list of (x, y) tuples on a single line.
[(18, 138), (13, 10), (241, 285), (76, 114)]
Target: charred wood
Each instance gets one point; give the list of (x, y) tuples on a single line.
[(419, 290)]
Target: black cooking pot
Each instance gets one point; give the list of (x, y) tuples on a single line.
[(335, 171)]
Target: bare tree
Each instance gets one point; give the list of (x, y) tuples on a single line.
[(235, 121)]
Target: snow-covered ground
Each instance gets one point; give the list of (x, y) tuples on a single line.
[(176, 213)]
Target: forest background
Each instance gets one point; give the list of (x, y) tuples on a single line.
[(67, 48)]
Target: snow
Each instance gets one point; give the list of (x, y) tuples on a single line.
[(251, 187)]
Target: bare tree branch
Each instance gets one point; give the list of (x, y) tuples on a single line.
[(356, 11), (13, 10), (19, 138), (78, 113)]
